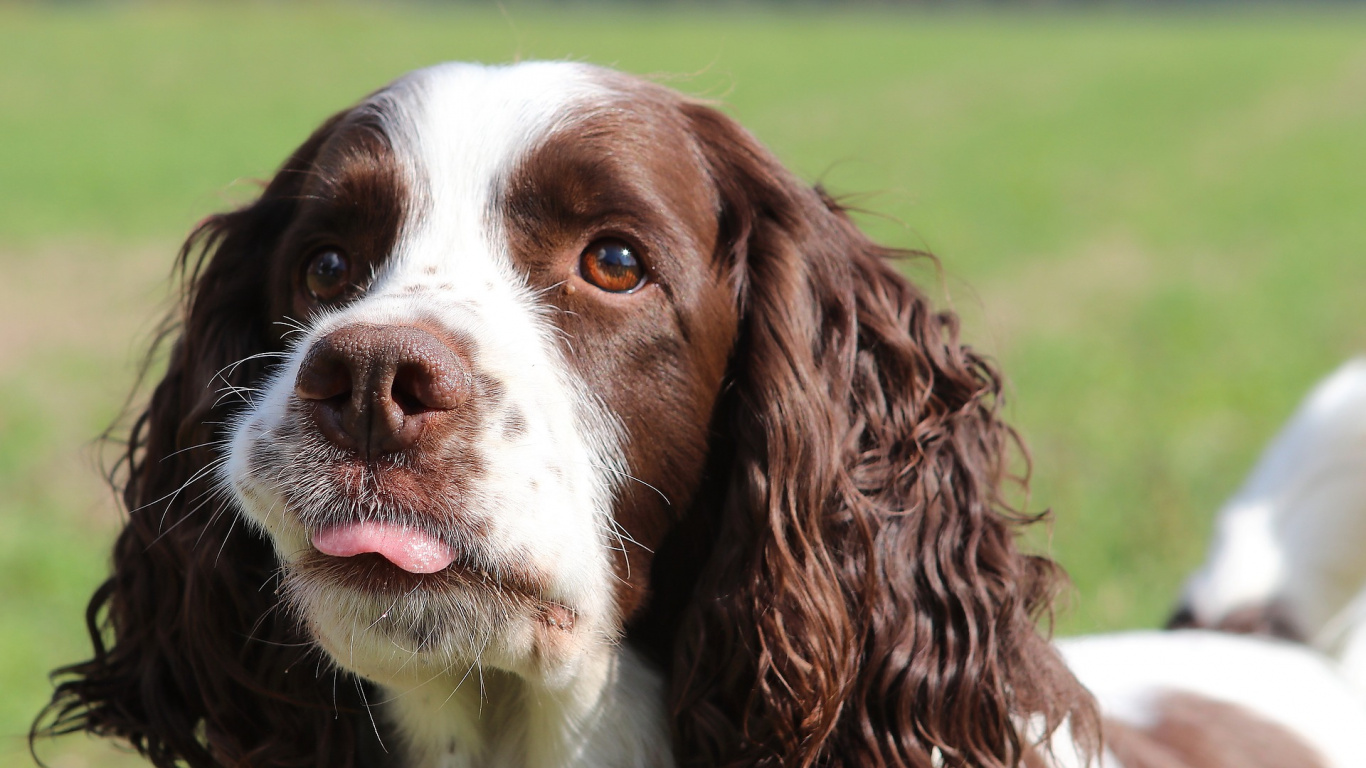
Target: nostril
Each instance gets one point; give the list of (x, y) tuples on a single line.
[(405, 390), (424, 384), (324, 375)]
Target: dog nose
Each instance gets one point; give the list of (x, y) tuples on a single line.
[(374, 389)]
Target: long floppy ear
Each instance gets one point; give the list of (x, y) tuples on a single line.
[(864, 603), (192, 660)]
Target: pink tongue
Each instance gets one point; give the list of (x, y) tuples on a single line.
[(409, 549)]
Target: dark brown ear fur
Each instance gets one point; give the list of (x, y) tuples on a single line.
[(193, 662), (865, 603)]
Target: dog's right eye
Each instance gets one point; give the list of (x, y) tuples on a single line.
[(328, 274)]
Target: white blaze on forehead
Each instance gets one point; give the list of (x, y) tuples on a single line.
[(460, 131)]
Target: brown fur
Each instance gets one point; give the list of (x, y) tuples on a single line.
[(1271, 620), (835, 579), (1195, 732), (634, 172), (193, 660), (865, 603)]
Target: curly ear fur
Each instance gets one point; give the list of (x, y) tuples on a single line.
[(865, 604), (193, 661)]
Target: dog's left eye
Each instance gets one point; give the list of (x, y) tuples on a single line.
[(612, 265)]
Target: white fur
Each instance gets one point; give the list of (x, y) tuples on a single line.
[(513, 699), (1283, 683), (1295, 534)]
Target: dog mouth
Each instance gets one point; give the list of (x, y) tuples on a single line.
[(392, 559), (409, 549)]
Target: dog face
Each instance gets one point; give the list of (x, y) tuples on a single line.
[(503, 305)]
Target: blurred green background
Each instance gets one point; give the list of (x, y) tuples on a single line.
[(1156, 222)]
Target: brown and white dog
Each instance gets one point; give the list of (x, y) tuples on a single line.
[(537, 416), (1288, 556)]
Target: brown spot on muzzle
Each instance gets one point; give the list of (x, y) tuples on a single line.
[(559, 617)]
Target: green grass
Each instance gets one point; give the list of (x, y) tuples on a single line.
[(1155, 223)]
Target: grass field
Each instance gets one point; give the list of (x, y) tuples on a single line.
[(1156, 223)]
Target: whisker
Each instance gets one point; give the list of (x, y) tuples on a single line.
[(198, 475), (292, 325), (231, 368), (205, 444), (477, 656), (230, 390), (224, 544), (370, 712), (629, 476)]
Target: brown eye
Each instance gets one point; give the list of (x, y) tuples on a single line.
[(328, 274), (612, 266)]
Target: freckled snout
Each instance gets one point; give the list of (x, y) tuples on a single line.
[(375, 389)]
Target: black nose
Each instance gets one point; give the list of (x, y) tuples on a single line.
[(374, 389)]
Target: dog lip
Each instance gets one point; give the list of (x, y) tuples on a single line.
[(372, 574)]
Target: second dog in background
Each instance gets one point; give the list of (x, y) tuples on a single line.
[(1288, 557)]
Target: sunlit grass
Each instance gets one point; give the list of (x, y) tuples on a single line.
[(1154, 223)]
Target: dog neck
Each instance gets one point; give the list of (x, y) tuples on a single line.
[(609, 715)]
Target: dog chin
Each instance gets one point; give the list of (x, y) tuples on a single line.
[(404, 630), (401, 628)]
